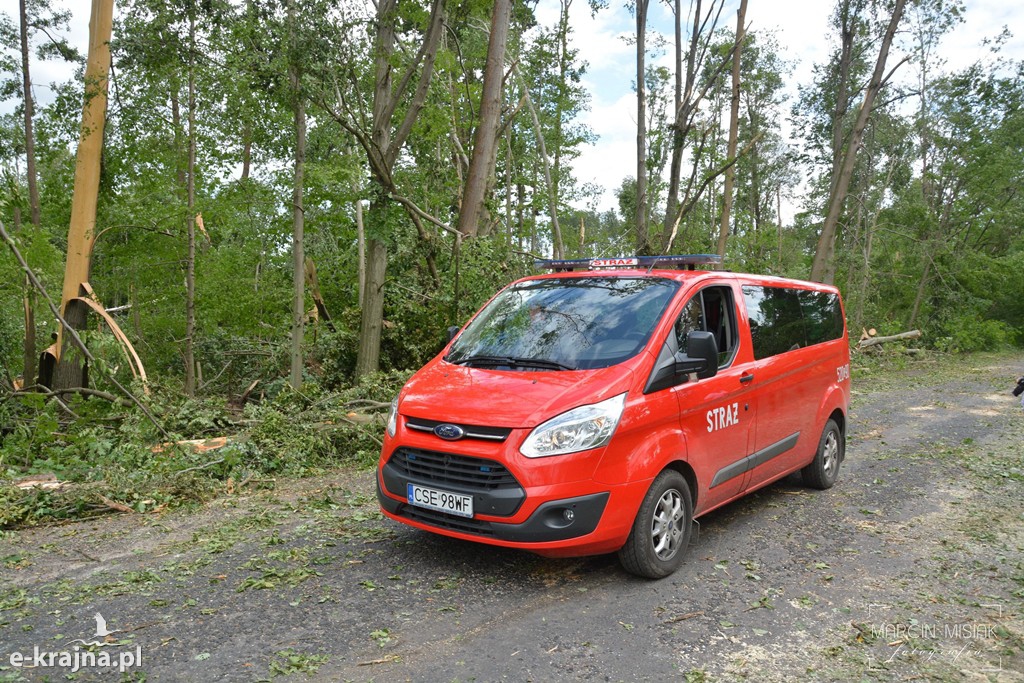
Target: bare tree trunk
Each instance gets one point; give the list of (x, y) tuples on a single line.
[(382, 147), (246, 152), (30, 154), (865, 276), (826, 242), (583, 237), (922, 287), (81, 232), (473, 213), (361, 252), (734, 125), (190, 202), (556, 232), (298, 224), (29, 347), (372, 320), (642, 238)]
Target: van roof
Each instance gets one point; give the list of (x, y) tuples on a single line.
[(655, 266), (672, 262)]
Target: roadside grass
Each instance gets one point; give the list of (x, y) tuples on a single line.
[(963, 616)]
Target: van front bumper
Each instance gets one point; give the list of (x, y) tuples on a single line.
[(554, 520)]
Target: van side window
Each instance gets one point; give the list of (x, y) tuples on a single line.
[(784, 319), (710, 310)]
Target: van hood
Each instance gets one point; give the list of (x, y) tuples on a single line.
[(499, 398)]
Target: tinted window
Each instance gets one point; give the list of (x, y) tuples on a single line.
[(590, 322), (783, 319), (823, 315)]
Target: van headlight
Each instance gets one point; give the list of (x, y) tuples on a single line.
[(579, 429), (393, 418)]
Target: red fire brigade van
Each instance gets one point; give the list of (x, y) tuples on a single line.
[(606, 405)]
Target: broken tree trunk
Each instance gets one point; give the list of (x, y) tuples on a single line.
[(875, 341), (81, 233)]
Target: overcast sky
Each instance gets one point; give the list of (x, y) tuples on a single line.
[(801, 27), (803, 33)]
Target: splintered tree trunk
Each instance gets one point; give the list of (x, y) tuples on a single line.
[(81, 233)]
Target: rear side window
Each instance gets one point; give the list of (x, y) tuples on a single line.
[(784, 319)]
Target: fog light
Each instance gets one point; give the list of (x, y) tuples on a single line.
[(568, 514)]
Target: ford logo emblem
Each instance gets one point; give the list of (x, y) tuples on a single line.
[(449, 432)]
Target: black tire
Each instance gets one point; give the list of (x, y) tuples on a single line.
[(662, 528), (824, 469)]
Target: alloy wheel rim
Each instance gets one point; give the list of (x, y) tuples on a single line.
[(830, 454), (668, 524)]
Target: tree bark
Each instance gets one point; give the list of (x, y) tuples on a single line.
[(826, 241), (473, 213), (382, 147), (190, 202), (558, 247), (29, 347), (734, 124), (372, 320), (30, 154), (643, 245), (81, 232), (361, 253), (298, 226)]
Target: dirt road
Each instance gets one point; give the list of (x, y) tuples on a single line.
[(912, 567)]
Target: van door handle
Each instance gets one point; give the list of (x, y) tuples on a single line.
[(747, 379)]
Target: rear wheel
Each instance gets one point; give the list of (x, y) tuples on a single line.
[(824, 469), (662, 528)]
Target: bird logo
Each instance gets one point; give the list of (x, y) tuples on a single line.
[(101, 626)]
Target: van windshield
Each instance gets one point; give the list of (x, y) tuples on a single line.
[(564, 324)]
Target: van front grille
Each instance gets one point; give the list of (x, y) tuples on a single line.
[(457, 470)]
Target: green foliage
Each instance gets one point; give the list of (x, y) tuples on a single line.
[(109, 455), (969, 332)]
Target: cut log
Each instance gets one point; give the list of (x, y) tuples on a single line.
[(874, 341)]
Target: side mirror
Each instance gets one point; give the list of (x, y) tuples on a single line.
[(452, 331), (701, 356)]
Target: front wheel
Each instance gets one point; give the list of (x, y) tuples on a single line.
[(661, 530), (824, 469)]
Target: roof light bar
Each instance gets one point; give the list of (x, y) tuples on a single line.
[(678, 261)]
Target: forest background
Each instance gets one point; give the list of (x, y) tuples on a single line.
[(297, 200)]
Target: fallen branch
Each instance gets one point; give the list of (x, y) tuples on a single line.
[(74, 333), (874, 341), (200, 467), (683, 617), (114, 505), (367, 402), (382, 660), (42, 390)]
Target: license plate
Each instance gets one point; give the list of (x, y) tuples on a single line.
[(444, 501)]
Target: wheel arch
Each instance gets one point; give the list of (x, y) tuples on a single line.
[(683, 468)]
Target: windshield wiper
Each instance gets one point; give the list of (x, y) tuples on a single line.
[(513, 362)]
